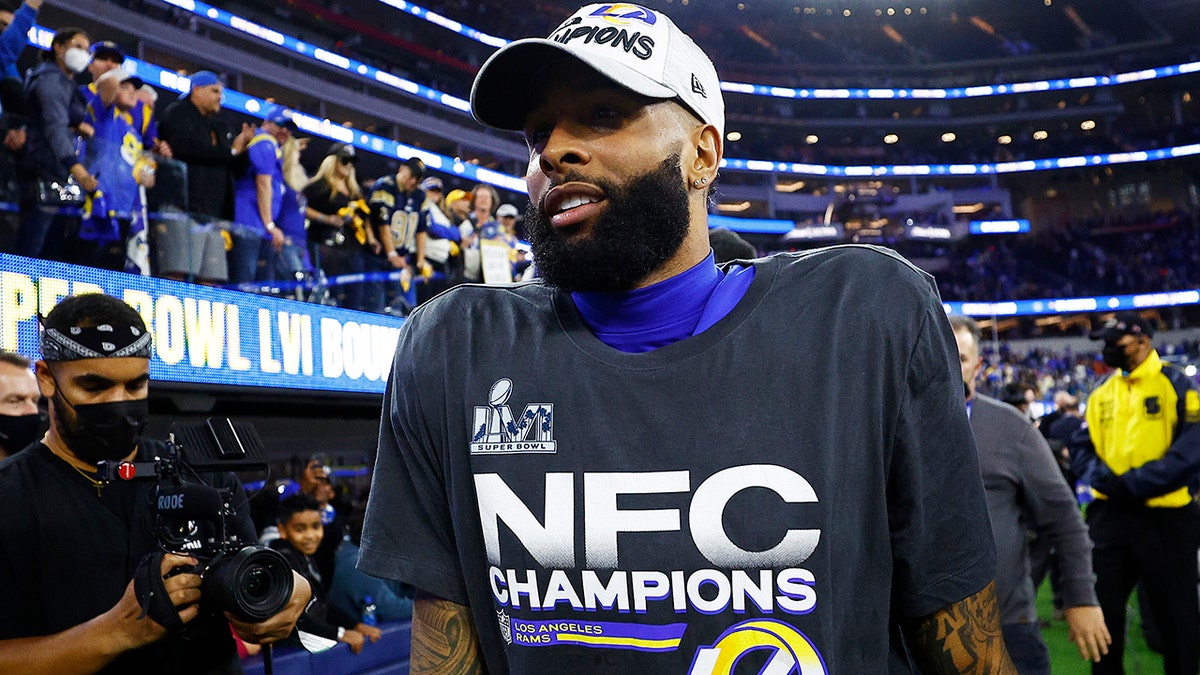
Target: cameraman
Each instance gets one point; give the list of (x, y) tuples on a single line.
[(66, 561)]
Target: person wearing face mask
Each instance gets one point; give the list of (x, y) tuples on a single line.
[(56, 117), (67, 561), (20, 422), (1140, 451)]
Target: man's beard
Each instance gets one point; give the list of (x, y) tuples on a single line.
[(643, 225)]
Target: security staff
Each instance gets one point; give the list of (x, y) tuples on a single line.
[(1144, 522)]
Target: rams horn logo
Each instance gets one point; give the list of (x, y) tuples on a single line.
[(791, 653), (622, 14)]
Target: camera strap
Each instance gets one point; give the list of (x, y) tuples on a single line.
[(152, 593)]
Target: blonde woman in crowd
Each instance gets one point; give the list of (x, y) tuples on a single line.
[(337, 215)]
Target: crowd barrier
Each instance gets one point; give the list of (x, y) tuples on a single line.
[(388, 656)]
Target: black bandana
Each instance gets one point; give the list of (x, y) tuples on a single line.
[(95, 342)]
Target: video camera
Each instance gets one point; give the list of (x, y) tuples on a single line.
[(195, 519)]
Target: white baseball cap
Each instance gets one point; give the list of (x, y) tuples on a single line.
[(507, 210), (637, 48)]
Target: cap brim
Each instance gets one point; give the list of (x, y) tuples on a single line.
[(1104, 334), (500, 97)]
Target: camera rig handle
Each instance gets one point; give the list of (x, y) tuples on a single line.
[(151, 593)]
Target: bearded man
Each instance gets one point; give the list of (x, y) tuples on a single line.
[(646, 463)]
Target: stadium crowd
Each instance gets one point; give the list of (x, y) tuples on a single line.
[(104, 177), (1146, 253)]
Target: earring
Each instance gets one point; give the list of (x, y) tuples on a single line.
[(699, 182)]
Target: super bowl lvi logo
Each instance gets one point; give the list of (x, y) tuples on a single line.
[(496, 431), (790, 652)]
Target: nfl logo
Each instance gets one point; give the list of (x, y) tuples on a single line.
[(505, 629)]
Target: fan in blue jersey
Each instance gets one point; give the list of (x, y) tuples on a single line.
[(257, 201), (115, 155)]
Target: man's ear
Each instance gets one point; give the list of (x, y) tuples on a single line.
[(45, 379), (708, 147)]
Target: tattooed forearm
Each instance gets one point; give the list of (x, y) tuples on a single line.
[(962, 638), (443, 639)]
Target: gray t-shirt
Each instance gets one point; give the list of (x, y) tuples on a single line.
[(781, 488)]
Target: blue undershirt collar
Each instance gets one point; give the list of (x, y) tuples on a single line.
[(673, 309)]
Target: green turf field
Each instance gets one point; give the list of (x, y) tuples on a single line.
[(1064, 656)]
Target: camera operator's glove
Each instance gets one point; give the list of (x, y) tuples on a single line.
[(152, 594)]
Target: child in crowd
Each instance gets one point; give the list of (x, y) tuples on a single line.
[(300, 534)]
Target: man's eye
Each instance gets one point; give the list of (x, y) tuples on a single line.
[(537, 136), (605, 113)]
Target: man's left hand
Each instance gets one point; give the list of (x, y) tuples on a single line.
[(1085, 627), (279, 626)]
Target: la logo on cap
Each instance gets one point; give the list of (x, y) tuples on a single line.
[(622, 14)]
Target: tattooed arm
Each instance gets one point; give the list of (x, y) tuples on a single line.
[(444, 641), (961, 639)]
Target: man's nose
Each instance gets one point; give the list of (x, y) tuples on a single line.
[(564, 151)]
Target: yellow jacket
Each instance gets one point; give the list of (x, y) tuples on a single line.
[(1133, 419)]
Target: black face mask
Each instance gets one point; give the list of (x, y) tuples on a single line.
[(19, 431), (103, 431), (1114, 355)]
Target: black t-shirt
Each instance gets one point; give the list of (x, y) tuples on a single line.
[(787, 484), (319, 618), (324, 199), (66, 556)]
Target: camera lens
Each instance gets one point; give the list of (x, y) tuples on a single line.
[(253, 584)]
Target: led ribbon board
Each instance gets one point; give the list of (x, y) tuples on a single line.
[(213, 336), (1103, 303), (1016, 226)]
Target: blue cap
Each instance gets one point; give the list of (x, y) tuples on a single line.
[(281, 116), (204, 78), (431, 183), (109, 50)]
